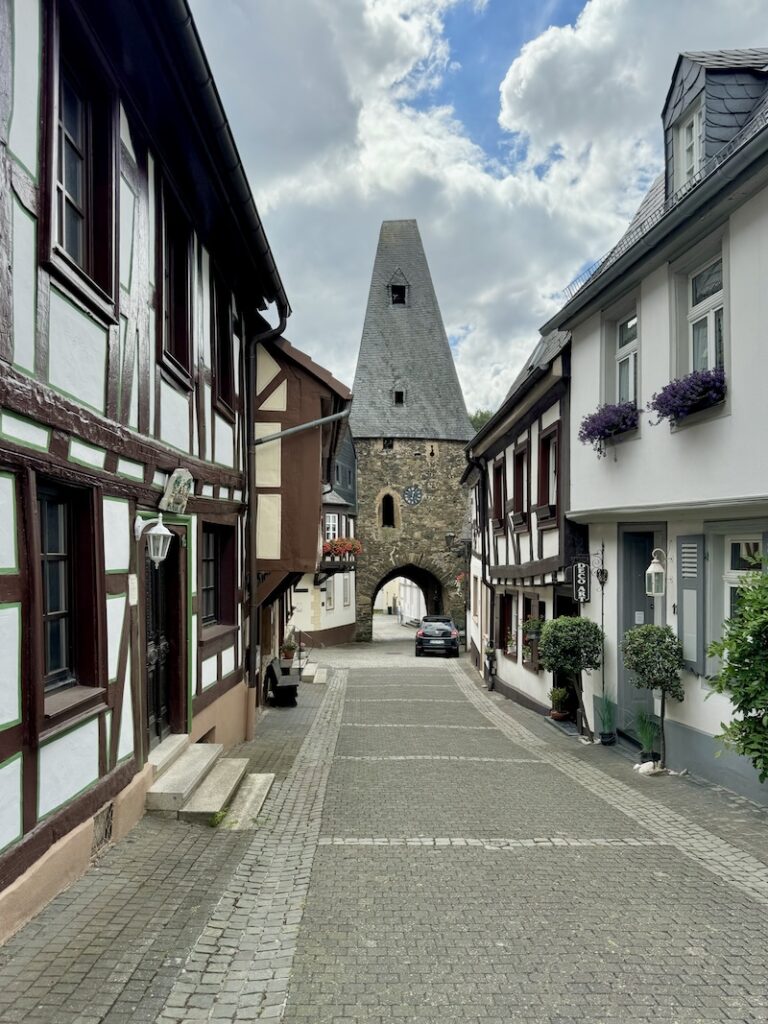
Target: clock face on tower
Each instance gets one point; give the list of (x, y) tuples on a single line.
[(413, 494)]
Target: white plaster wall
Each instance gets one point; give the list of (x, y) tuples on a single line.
[(125, 740), (277, 401), (268, 456), (117, 535), (133, 470), (78, 353), (475, 620), (535, 684), (266, 368), (227, 661), (210, 672), (10, 666), (339, 615), (81, 452), (303, 617), (225, 443), (683, 461), (127, 222), (7, 524), (174, 417), (411, 600), (10, 801), (24, 287), (116, 605), (25, 121), (24, 431), (268, 541), (68, 765)]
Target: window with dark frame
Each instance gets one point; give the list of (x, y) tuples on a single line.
[(223, 355), (387, 510), (398, 292), (498, 491), (399, 397), (217, 575), (388, 443), (520, 496), (548, 475), (82, 176), (56, 554), (174, 273)]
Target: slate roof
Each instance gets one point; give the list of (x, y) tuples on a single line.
[(548, 346), (723, 60), (404, 347)]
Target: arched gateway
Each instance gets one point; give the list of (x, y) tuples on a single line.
[(410, 425)]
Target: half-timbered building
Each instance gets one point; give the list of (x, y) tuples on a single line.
[(133, 267), (522, 543)]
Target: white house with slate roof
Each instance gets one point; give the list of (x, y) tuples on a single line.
[(684, 290)]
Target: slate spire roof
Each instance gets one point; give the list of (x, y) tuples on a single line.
[(406, 383)]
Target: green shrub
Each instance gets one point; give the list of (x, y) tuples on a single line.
[(647, 729), (655, 655), (559, 697), (606, 711), (743, 676), (570, 645)]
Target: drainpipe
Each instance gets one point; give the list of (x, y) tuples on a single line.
[(250, 432)]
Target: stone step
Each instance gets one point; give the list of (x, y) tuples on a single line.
[(167, 752), (248, 802), (216, 790), (308, 672), (174, 788), (321, 675)]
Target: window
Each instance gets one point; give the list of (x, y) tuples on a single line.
[(742, 555), (221, 329), (331, 525), (346, 589), (68, 587), (399, 398), (705, 316), (398, 293), (350, 527), (82, 170), (475, 597), (337, 473), (330, 596), (173, 272), (217, 575), (626, 360), (548, 474), (690, 137), (499, 487), (388, 444), (508, 624), (387, 510), (520, 497)]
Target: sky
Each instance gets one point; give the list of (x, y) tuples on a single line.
[(521, 134)]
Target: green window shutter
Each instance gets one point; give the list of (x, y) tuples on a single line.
[(690, 601)]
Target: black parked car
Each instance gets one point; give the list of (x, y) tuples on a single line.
[(437, 634)]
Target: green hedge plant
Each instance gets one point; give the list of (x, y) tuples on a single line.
[(571, 645), (743, 676), (655, 655)]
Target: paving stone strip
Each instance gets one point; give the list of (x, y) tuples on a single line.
[(407, 725), (407, 700), (240, 966), (718, 856), (441, 842), (438, 757)]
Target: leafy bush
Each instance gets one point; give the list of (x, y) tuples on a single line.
[(743, 676), (558, 695), (606, 712), (647, 729), (681, 397), (606, 422), (655, 655), (571, 645)]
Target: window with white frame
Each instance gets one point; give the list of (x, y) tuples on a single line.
[(626, 359), (329, 594), (706, 316), (331, 525), (346, 589), (690, 147), (741, 556)]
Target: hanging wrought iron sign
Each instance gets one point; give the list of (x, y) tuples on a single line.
[(582, 580)]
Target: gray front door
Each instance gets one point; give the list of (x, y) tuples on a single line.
[(636, 610)]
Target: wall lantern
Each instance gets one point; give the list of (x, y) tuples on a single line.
[(655, 574), (158, 537), (449, 540)]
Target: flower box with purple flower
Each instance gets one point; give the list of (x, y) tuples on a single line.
[(680, 398), (606, 422)]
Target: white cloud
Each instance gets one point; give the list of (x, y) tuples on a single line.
[(321, 96)]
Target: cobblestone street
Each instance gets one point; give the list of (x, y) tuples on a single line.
[(429, 852)]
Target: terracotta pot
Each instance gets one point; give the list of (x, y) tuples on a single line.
[(559, 716)]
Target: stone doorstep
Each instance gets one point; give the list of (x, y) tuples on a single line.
[(248, 801), (321, 675), (174, 788), (166, 753), (216, 790), (309, 672)]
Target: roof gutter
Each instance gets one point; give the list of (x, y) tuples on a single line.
[(705, 192), (239, 195)]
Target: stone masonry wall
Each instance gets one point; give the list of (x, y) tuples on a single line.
[(419, 535)]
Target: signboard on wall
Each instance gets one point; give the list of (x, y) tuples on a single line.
[(582, 581), (177, 491)]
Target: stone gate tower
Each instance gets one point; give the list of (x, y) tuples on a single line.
[(410, 425)]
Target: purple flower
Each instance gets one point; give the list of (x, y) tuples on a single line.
[(607, 421), (681, 397)]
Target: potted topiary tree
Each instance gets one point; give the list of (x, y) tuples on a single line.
[(606, 713), (558, 696), (570, 645), (655, 655)]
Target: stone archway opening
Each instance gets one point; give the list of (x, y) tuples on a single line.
[(399, 600)]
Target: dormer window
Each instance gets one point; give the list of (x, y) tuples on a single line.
[(399, 397), (398, 293), (690, 144)]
